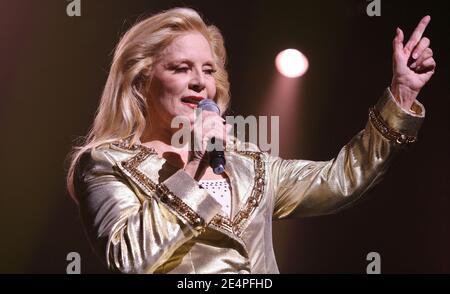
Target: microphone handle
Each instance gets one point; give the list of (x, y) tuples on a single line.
[(217, 160)]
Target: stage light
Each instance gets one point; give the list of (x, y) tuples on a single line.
[(291, 63)]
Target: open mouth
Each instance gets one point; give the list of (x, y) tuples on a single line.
[(191, 101)]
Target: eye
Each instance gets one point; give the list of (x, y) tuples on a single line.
[(182, 69), (209, 71)]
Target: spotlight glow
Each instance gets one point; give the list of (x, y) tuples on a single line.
[(291, 63)]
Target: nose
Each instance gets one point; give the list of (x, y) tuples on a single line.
[(197, 82)]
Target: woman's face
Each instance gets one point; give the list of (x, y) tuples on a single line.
[(181, 78)]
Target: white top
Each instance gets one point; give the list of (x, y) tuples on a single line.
[(220, 190)]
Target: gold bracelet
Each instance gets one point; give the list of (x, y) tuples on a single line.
[(386, 131)]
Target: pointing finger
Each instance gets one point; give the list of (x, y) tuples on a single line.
[(417, 34)]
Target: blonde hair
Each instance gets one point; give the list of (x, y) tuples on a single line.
[(122, 111)]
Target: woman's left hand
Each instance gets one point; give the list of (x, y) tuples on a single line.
[(413, 64)]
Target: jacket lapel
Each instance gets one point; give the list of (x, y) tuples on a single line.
[(241, 173), (245, 170)]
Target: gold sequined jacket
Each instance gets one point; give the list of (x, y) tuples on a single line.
[(142, 216)]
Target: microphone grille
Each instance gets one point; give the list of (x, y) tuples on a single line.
[(209, 105)]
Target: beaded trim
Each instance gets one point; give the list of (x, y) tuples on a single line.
[(125, 144), (234, 227), (164, 194), (386, 131), (238, 224)]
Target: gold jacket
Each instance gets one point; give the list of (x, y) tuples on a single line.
[(144, 217)]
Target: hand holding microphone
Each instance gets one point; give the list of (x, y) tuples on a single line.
[(213, 133), (216, 157)]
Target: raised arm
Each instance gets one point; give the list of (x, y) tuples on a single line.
[(305, 188)]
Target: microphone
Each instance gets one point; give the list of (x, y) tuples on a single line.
[(216, 157)]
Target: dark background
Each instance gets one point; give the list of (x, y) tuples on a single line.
[(53, 68)]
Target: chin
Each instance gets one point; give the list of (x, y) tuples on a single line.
[(188, 114)]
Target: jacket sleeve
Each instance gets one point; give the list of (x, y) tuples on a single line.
[(308, 188), (137, 234)]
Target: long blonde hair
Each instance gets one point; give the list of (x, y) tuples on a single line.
[(122, 111)]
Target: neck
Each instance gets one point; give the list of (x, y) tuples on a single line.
[(160, 138)]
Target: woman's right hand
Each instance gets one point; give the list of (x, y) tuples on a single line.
[(211, 125)]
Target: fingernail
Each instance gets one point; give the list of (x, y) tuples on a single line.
[(413, 65), (415, 55)]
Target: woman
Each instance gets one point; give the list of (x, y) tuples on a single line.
[(151, 207)]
